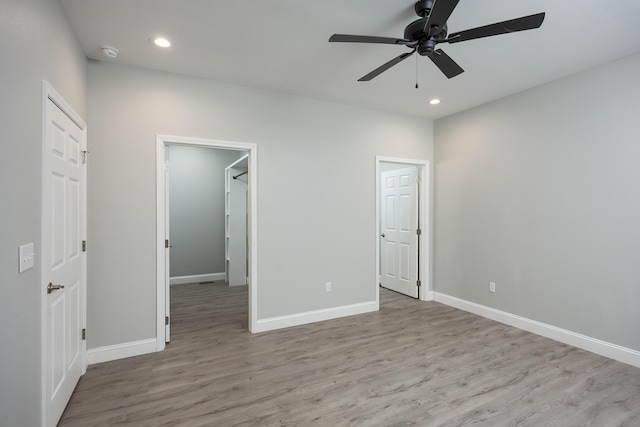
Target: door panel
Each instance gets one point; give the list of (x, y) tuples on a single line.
[(390, 259), (63, 262), (57, 214), (399, 221), (404, 261), (73, 346), (56, 332), (73, 219), (390, 210)]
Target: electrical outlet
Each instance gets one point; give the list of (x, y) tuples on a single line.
[(492, 287), (327, 287)]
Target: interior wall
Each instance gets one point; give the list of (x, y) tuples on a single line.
[(538, 193), (35, 44), (316, 190), (196, 182)]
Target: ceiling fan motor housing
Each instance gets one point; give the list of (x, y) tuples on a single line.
[(415, 32)]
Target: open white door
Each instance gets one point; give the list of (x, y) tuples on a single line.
[(63, 258), (399, 230), (236, 222)]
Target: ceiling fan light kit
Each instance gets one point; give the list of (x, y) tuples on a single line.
[(424, 34)]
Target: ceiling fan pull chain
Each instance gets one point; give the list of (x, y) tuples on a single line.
[(416, 71)]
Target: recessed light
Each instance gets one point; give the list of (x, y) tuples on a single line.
[(434, 101), (161, 42)]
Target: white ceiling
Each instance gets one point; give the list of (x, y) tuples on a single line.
[(282, 46)]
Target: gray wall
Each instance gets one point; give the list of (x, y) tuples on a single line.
[(539, 192), (35, 43), (197, 209), (316, 190)]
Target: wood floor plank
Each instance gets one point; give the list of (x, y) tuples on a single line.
[(411, 363)]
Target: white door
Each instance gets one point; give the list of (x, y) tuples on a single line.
[(237, 227), (399, 230), (236, 222), (63, 258)]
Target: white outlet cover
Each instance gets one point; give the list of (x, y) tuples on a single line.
[(26, 255)]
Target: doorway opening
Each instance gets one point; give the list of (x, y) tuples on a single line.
[(164, 146), (403, 227)]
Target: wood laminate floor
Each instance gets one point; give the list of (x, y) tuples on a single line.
[(411, 363)]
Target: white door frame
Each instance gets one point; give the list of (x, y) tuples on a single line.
[(424, 194), (161, 142), (49, 93)]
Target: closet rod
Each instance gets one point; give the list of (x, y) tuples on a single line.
[(240, 174)]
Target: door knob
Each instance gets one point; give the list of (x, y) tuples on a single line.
[(51, 287), (382, 235)]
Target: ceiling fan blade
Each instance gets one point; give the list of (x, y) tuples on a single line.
[(386, 66), (519, 24), (349, 38), (440, 13), (444, 62)]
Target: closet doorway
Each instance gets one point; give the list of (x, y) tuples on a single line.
[(178, 223)]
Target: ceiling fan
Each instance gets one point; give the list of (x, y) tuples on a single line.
[(423, 35)]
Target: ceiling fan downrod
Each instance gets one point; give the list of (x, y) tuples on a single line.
[(423, 7)]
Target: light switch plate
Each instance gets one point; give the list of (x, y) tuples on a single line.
[(26, 255)]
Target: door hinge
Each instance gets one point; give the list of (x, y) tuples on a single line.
[(419, 283), (419, 232), (419, 180), (166, 243), (84, 246), (84, 156), (84, 334), (166, 320)]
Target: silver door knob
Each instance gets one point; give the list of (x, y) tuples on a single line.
[(51, 287)]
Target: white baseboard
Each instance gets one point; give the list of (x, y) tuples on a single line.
[(603, 348), (121, 351), (197, 278), (273, 323)]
